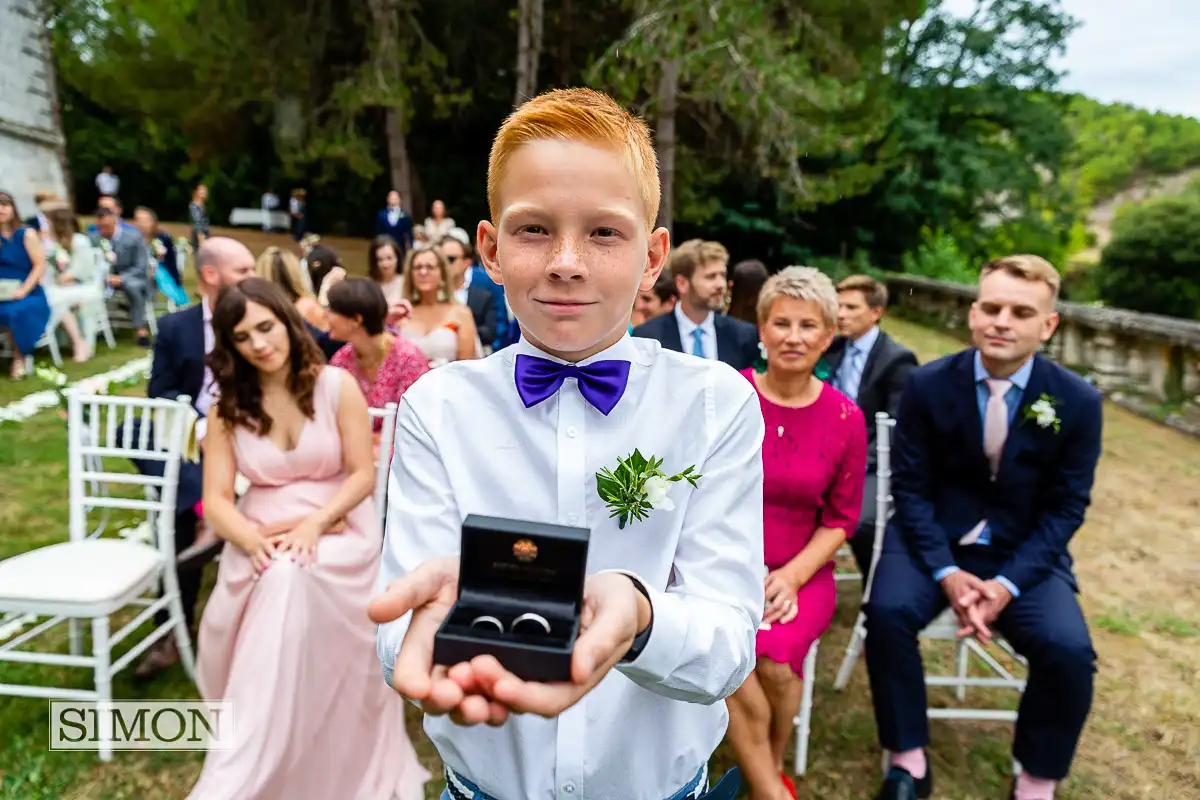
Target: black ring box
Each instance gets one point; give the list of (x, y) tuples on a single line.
[(510, 567)]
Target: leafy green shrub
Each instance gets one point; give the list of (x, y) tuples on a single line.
[(1152, 263), (939, 257)]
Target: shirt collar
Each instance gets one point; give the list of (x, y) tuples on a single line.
[(689, 326), (864, 343), (1020, 378), (206, 310), (623, 350)]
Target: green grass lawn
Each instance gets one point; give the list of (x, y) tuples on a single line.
[(1135, 558)]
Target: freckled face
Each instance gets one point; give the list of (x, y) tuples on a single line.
[(571, 246)]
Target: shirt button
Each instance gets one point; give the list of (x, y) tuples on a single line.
[(572, 519), (572, 432), (568, 788)]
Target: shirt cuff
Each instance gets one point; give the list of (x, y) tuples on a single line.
[(943, 572), (1007, 584), (660, 656)]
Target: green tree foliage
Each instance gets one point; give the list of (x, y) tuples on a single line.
[(1116, 144), (1152, 263)]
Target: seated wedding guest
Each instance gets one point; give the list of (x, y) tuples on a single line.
[(697, 325), (113, 204), (160, 250), (40, 222), (384, 266), (24, 311), (467, 290), (871, 369), (324, 270), (70, 279), (659, 300), (128, 270), (814, 456), (178, 368), (162, 245), (384, 364), (440, 326), (745, 284), (478, 276), (437, 224), (282, 268), (283, 637), (994, 458), (394, 222), (672, 600)]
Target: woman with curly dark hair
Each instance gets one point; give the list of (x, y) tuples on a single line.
[(284, 636)]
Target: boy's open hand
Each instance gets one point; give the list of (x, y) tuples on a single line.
[(429, 591), (482, 690)]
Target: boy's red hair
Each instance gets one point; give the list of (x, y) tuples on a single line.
[(578, 115)]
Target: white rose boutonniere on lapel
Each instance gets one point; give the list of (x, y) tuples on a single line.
[(638, 486), (1044, 411)]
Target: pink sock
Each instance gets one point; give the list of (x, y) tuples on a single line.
[(911, 760), (1031, 788)]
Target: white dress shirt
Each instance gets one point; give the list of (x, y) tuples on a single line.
[(208, 389), (461, 292), (465, 443), (708, 330)]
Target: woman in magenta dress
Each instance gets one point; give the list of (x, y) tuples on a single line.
[(814, 462)]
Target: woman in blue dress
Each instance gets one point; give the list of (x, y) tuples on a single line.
[(24, 311)]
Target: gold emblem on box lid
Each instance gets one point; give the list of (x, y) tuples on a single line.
[(525, 550)]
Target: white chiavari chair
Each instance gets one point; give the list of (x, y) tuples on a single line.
[(383, 461), (92, 577)]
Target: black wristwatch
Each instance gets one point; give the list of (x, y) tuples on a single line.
[(639, 641)]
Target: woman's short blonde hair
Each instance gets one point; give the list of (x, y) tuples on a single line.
[(445, 293), (800, 283)]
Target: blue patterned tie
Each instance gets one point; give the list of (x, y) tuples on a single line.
[(698, 342)]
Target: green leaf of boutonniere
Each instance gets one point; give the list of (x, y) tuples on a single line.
[(638, 486)]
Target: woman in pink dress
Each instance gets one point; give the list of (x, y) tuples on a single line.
[(383, 364), (285, 635), (814, 463)]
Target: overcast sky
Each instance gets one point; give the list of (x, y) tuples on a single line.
[(1142, 52)]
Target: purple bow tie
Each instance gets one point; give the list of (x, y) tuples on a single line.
[(601, 383)]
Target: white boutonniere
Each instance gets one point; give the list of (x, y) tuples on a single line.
[(638, 486), (1044, 412)]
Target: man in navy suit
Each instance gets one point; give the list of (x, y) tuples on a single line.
[(395, 222), (995, 454), (697, 325)]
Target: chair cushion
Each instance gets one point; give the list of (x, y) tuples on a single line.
[(91, 571)]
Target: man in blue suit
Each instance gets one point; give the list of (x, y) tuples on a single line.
[(995, 454), (697, 326), (395, 222)]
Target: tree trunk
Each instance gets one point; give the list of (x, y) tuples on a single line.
[(530, 23), (566, 28), (399, 167), (664, 141)]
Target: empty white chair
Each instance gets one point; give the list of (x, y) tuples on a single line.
[(92, 577), (384, 460), (803, 720)]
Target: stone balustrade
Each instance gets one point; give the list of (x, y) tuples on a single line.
[(1145, 361)]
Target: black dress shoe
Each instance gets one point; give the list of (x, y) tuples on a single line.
[(901, 785)]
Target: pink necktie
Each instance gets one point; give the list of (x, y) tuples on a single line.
[(995, 423)]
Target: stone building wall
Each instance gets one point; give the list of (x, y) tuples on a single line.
[(30, 141)]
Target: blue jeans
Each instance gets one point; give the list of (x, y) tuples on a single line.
[(696, 789)]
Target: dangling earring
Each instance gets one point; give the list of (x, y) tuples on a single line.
[(442, 296)]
